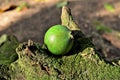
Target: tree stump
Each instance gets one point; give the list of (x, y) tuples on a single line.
[(81, 63)]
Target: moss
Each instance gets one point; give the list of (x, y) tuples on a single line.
[(35, 63), (8, 44)]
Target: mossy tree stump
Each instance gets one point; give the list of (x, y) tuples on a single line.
[(81, 63)]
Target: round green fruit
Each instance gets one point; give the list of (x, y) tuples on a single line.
[(58, 40)]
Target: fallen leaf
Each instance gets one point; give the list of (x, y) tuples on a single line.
[(7, 8), (3, 38), (23, 6), (113, 37), (109, 7), (99, 26)]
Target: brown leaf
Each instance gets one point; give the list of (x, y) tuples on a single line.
[(7, 8), (113, 38)]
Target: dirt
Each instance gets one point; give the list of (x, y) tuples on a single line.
[(33, 22)]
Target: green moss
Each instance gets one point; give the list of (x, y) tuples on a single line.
[(7, 49), (35, 63), (8, 44)]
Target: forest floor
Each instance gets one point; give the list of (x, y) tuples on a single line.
[(93, 17)]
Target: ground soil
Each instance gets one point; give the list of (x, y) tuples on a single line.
[(34, 21)]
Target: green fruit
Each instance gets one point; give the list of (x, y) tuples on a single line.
[(58, 40)]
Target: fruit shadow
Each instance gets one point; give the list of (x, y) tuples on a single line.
[(80, 43)]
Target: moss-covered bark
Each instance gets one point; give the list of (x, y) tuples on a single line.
[(8, 44), (81, 63), (35, 63)]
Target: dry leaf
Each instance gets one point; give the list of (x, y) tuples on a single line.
[(23, 6), (114, 39), (7, 8)]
